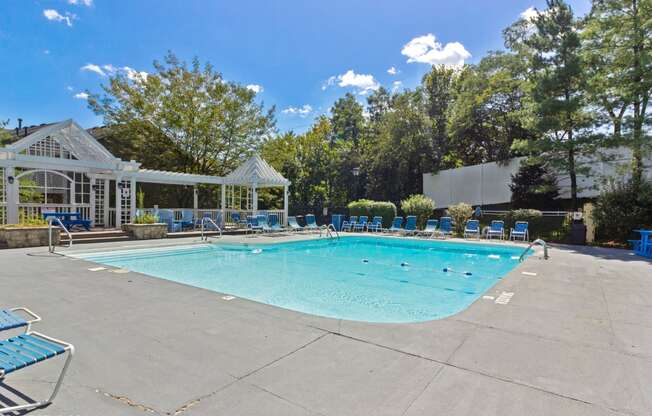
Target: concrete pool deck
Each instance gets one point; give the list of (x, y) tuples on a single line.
[(575, 339)]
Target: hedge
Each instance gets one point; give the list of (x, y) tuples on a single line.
[(387, 210)]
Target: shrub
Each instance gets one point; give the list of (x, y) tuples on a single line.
[(459, 214), (387, 210), (419, 205), (622, 208), (533, 186), (145, 219)]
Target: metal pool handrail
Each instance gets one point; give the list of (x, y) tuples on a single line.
[(50, 245), (203, 220), (328, 231), (535, 242)]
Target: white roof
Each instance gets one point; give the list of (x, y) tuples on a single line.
[(175, 178), (256, 171), (73, 138)]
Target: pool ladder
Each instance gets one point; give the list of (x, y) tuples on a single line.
[(329, 231), (210, 220), (540, 242), (50, 228)]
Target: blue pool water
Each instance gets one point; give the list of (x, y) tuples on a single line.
[(372, 279)]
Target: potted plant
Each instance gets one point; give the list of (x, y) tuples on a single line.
[(29, 232), (145, 226)]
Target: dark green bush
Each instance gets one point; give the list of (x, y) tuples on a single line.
[(622, 208), (370, 208)]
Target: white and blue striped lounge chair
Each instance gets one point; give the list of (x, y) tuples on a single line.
[(376, 224), (9, 319), (472, 228), (311, 223), (496, 229), (410, 225), (294, 225), (397, 225), (27, 349), (348, 225), (520, 231), (361, 225), (431, 228)]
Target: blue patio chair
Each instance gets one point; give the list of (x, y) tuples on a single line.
[(167, 216), (496, 229), (397, 225), (348, 225), (445, 227), (25, 350), (361, 225), (187, 218), (253, 225), (431, 228), (520, 231), (376, 224), (294, 225), (10, 319), (311, 223), (274, 224), (410, 225), (472, 228)]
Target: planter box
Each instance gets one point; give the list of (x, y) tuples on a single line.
[(146, 231), (28, 236)]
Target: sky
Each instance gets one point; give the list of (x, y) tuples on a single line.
[(298, 55)]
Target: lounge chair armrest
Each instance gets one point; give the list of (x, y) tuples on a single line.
[(35, 317), (66, 345)]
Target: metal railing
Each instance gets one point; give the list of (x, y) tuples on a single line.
[(203, 221), (50, 245), (328, 229), (540, 242)]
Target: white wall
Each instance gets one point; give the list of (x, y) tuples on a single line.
[(488, 183)]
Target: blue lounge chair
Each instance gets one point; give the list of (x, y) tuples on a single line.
[(25, 350), (274, 224), (294, 225), (253, 225), (472, 228), (167, 216), (311, 223), (187, 218), (348, 225), (361, 225), (445, 227), (397, 225), (9, 319), (431, 228), (520, 231), (496, 229), (376, 224), (410, 225)]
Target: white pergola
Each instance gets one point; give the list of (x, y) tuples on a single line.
[(68, 170)]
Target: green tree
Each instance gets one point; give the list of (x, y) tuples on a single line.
[(533, 186), (436, 86), (552, 49), (347, 119), (618, 34), (205, 124)]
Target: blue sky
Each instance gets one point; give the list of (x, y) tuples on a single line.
[(301, 55)]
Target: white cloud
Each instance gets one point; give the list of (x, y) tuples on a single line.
[(529, 14), (396, 85), (362, 82), (134, 75), (329, 82), (255, 88), (425, 49), (81, 96), (87, 3), (54, 15), (94, 68), (69, 88), (109, 69), (300, 111), (392, 71)]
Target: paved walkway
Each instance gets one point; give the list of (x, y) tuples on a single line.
[(576, 339)]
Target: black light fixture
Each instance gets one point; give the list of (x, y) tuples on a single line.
[(121, 185), (10, 180), (95, 187)]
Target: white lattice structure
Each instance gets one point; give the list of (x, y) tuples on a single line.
[(62, 168)]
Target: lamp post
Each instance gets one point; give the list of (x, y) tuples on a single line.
[(356, 173)]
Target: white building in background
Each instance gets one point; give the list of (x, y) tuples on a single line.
[(488, 183)]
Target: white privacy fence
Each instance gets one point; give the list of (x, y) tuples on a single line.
[(488, 183)]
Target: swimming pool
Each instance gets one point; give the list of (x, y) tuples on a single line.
[(373, 279)]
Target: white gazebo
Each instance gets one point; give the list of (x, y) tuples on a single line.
[(61, 167)]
